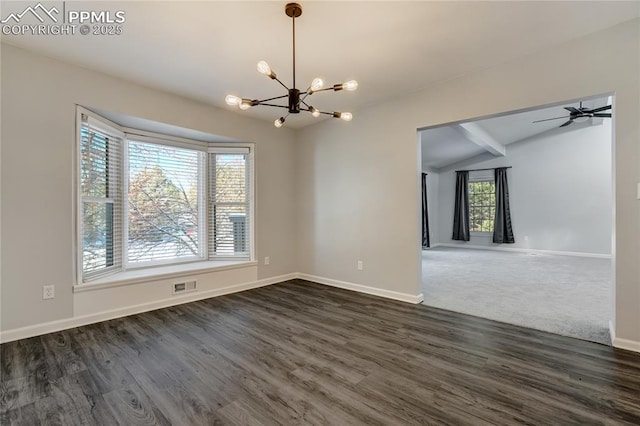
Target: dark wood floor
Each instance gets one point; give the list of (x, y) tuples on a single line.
[(302, 353)]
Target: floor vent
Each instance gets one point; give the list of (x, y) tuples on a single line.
[(184, 287)]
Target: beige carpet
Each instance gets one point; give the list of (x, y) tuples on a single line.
[(566, 295)]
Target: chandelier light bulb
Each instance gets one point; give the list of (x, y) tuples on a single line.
[(350, 85), (232, 100), (314, 111), (244, 105), (279, 122), (317, 84), (344, 116), (264, 68)]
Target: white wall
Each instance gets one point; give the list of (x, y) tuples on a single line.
[(39, 97), (560, 192), (358, 185)]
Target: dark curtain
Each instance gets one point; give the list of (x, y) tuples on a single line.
[(502, 230), (461, 211), (425, 214)]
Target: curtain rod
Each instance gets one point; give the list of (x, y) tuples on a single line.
[(479, 170)]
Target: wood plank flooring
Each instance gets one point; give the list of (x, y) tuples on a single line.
[(303, 353)]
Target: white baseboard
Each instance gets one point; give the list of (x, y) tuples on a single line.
[(616, 342), (53, 326), (524, 250), (630, 345), (403, 297)]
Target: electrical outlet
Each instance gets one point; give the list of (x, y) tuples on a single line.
[(266, 260), (48, 291), (360, 265)]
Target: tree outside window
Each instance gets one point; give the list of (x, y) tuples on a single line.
[(482, 206)]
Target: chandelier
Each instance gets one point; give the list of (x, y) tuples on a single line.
[(297, 99)]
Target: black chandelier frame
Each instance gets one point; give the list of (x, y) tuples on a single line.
[(296, 98)]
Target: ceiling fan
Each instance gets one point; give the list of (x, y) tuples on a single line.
[(580, 114)]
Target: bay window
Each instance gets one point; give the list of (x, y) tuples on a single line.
[(151, 200)]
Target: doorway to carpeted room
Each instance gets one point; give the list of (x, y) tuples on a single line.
[(544, 262)]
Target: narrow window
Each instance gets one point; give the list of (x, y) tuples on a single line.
[(229, 213), (100, 189), (482, 205)]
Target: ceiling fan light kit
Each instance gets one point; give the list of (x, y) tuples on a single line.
[(580, 115), (296, 98)]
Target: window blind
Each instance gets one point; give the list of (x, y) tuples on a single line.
[(101, 197), (165, 189), (229, 195)]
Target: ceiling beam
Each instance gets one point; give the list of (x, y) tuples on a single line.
[(476, 134)]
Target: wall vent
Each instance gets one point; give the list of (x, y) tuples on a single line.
[(184, 287)]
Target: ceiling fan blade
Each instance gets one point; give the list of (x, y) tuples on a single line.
[(549, 119), (567, 123), (602, 115), (573, 110), (601, 109)]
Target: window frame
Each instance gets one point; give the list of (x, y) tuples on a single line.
[(250, 179), (126, 134), (482, 179), (115, 130)]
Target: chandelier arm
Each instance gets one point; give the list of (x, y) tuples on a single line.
[(271, 99), (283, 85), (302, 99), (321, 112), (323, 90), (274, 105)]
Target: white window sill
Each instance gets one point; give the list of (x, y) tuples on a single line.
[(161, 273), (481, 234)]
